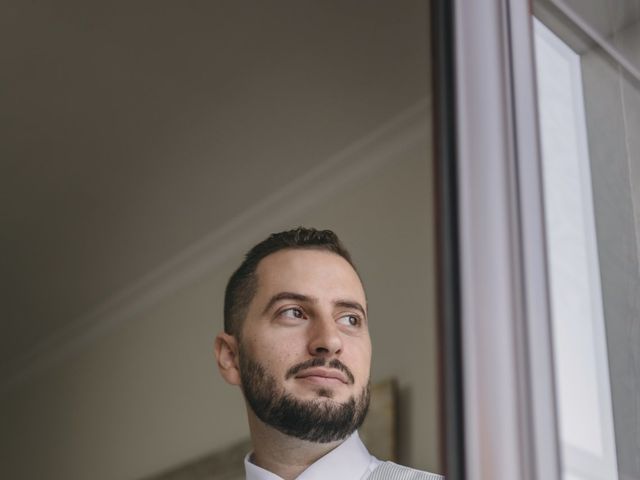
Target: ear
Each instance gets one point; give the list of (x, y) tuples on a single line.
[(226, 349)]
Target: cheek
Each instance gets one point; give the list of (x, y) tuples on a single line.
[(360, 360), (276, 360)]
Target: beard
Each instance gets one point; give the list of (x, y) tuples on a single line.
[(319, 420)]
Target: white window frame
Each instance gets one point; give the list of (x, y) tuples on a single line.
[(509, 390)]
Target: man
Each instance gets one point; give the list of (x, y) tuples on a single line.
[(296, 341)]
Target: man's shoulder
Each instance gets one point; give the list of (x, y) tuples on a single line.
[(393, 471)]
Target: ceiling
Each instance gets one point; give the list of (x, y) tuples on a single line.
[(130, 130)]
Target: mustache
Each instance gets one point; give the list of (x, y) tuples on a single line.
[(320, 362)]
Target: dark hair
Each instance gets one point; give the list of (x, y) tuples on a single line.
[(243, 284)]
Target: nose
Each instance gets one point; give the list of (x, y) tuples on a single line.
[(325, 339)]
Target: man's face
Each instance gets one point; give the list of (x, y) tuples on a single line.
[(305, 347)]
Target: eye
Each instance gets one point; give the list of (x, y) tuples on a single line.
[(292, 313), (350, 320)]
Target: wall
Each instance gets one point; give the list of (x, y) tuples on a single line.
[(144, 395)]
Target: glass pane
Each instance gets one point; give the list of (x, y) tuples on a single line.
[(588, 64)]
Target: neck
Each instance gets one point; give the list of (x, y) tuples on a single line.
[(282, 454)]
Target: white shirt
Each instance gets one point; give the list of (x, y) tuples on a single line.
[(349, 461)]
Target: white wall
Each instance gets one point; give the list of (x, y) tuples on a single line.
[(145, 395)]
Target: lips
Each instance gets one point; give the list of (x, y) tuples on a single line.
[(321, 370), (323, 375)]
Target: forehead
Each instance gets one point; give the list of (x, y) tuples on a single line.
[(312, 272)]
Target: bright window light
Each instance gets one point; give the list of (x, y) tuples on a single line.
[(580, 355)]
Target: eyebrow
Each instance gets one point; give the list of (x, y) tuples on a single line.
[(299, 297), (350, 304)]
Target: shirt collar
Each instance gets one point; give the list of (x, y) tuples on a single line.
[(348, 461)]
